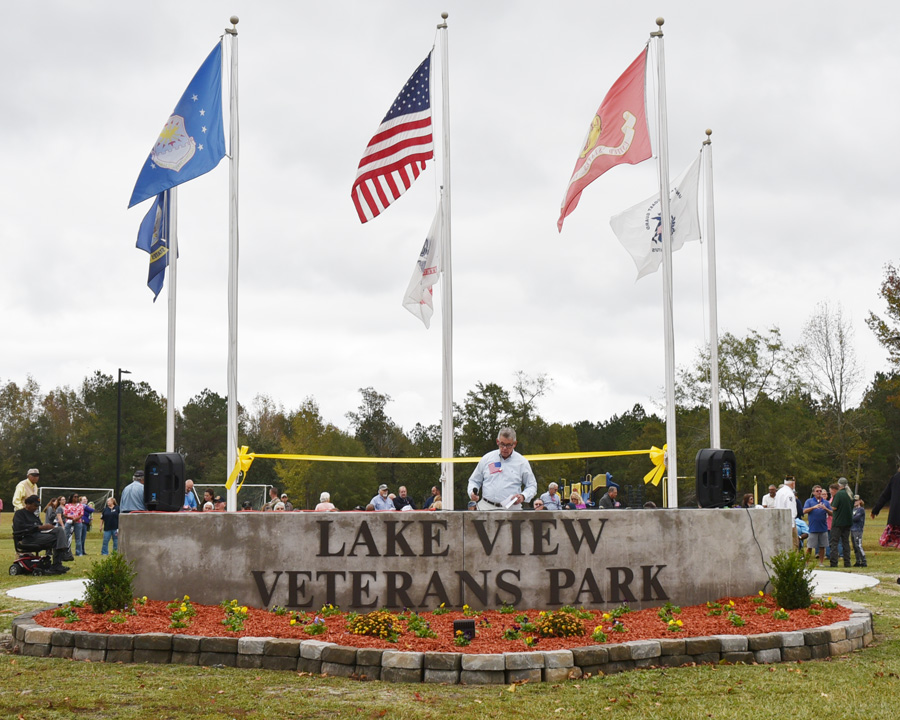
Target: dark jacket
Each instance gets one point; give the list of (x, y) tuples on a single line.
[(843, 509), (890, 495)]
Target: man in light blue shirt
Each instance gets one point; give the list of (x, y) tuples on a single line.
[(551, 497), (503, 477), (381, 501), (133, 495)]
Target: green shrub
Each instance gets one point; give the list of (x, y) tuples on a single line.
[(792, 580), (110, 584)]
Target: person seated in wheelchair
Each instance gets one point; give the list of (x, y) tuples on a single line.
[(29, 534)]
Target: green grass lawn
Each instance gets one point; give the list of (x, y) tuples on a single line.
[(864, 684)]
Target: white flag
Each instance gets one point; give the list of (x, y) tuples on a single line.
[(418, 298), (639, 228)]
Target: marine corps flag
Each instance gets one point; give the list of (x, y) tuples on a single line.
[(618, 134)]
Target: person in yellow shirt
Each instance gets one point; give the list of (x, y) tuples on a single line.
[(26, 488)]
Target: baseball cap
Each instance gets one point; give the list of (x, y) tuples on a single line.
[(33, 471), (284, 495), (382, 487), (138, 473)]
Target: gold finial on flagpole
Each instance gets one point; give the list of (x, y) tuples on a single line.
[(659, 23), (443, 25), (708, 137), (234, 19)]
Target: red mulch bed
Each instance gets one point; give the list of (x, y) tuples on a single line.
[(642, 625)]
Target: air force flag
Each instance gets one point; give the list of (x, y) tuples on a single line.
[(192, 142)]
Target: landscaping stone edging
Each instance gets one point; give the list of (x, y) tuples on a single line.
[(315, 656)]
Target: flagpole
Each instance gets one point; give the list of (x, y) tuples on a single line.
[(232, 440), (446, 284), (170, 207), (715, 438), (665, 221)]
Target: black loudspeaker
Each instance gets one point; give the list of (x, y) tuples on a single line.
[(164, 482), (716, 478)]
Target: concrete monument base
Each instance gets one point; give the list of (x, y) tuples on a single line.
[(418, 560)]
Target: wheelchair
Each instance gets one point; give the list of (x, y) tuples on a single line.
[(29, 560)]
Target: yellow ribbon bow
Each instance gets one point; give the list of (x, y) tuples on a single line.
[(658, 458), (241, 466)]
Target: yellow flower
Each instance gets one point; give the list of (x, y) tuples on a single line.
[(761, 594), (183, 607), (244, 609), (679, 623), (731, 603), (187, 597)]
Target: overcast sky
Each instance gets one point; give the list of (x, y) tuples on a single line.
[(805, 151)]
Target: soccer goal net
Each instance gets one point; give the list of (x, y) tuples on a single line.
[(97, 496)]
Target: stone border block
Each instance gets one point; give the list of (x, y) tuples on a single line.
[(532, 675), (89, 654), (185, 658), (218, 645), (558, 659), (734, 643), (483, 663), (401, 675), (153, 641), (397, 659), (312, 649), (591, 655), (186, 644), (447, 677), (120, 642), (444, 662), (252, 645), (766, 641), (524, 661), (340, 655), (278, 647), (767, 656), (482, 677)]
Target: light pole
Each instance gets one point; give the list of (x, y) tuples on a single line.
[(119, 429)]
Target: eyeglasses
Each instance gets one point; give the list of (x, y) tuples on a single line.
[(537, 505), (506, 445)]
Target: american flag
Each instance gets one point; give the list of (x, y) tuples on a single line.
[(399, 150), (495, 467)]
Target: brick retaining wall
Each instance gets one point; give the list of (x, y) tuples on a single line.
[(315, 656)]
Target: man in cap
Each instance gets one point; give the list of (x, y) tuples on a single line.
[(288, 505), (381, 501), (503, 477), (133, 495), (26, 488), (27, 522)]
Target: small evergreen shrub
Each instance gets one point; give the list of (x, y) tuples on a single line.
[(792, 580), (110, 584)]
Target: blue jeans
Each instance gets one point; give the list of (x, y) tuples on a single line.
[(107, 534), (79, 538)]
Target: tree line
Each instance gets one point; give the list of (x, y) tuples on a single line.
[(785, 410)]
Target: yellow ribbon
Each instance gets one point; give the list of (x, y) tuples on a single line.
[(245, 460), (658, 458), (241, 466)]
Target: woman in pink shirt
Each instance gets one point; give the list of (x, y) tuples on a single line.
[(74, 511)]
